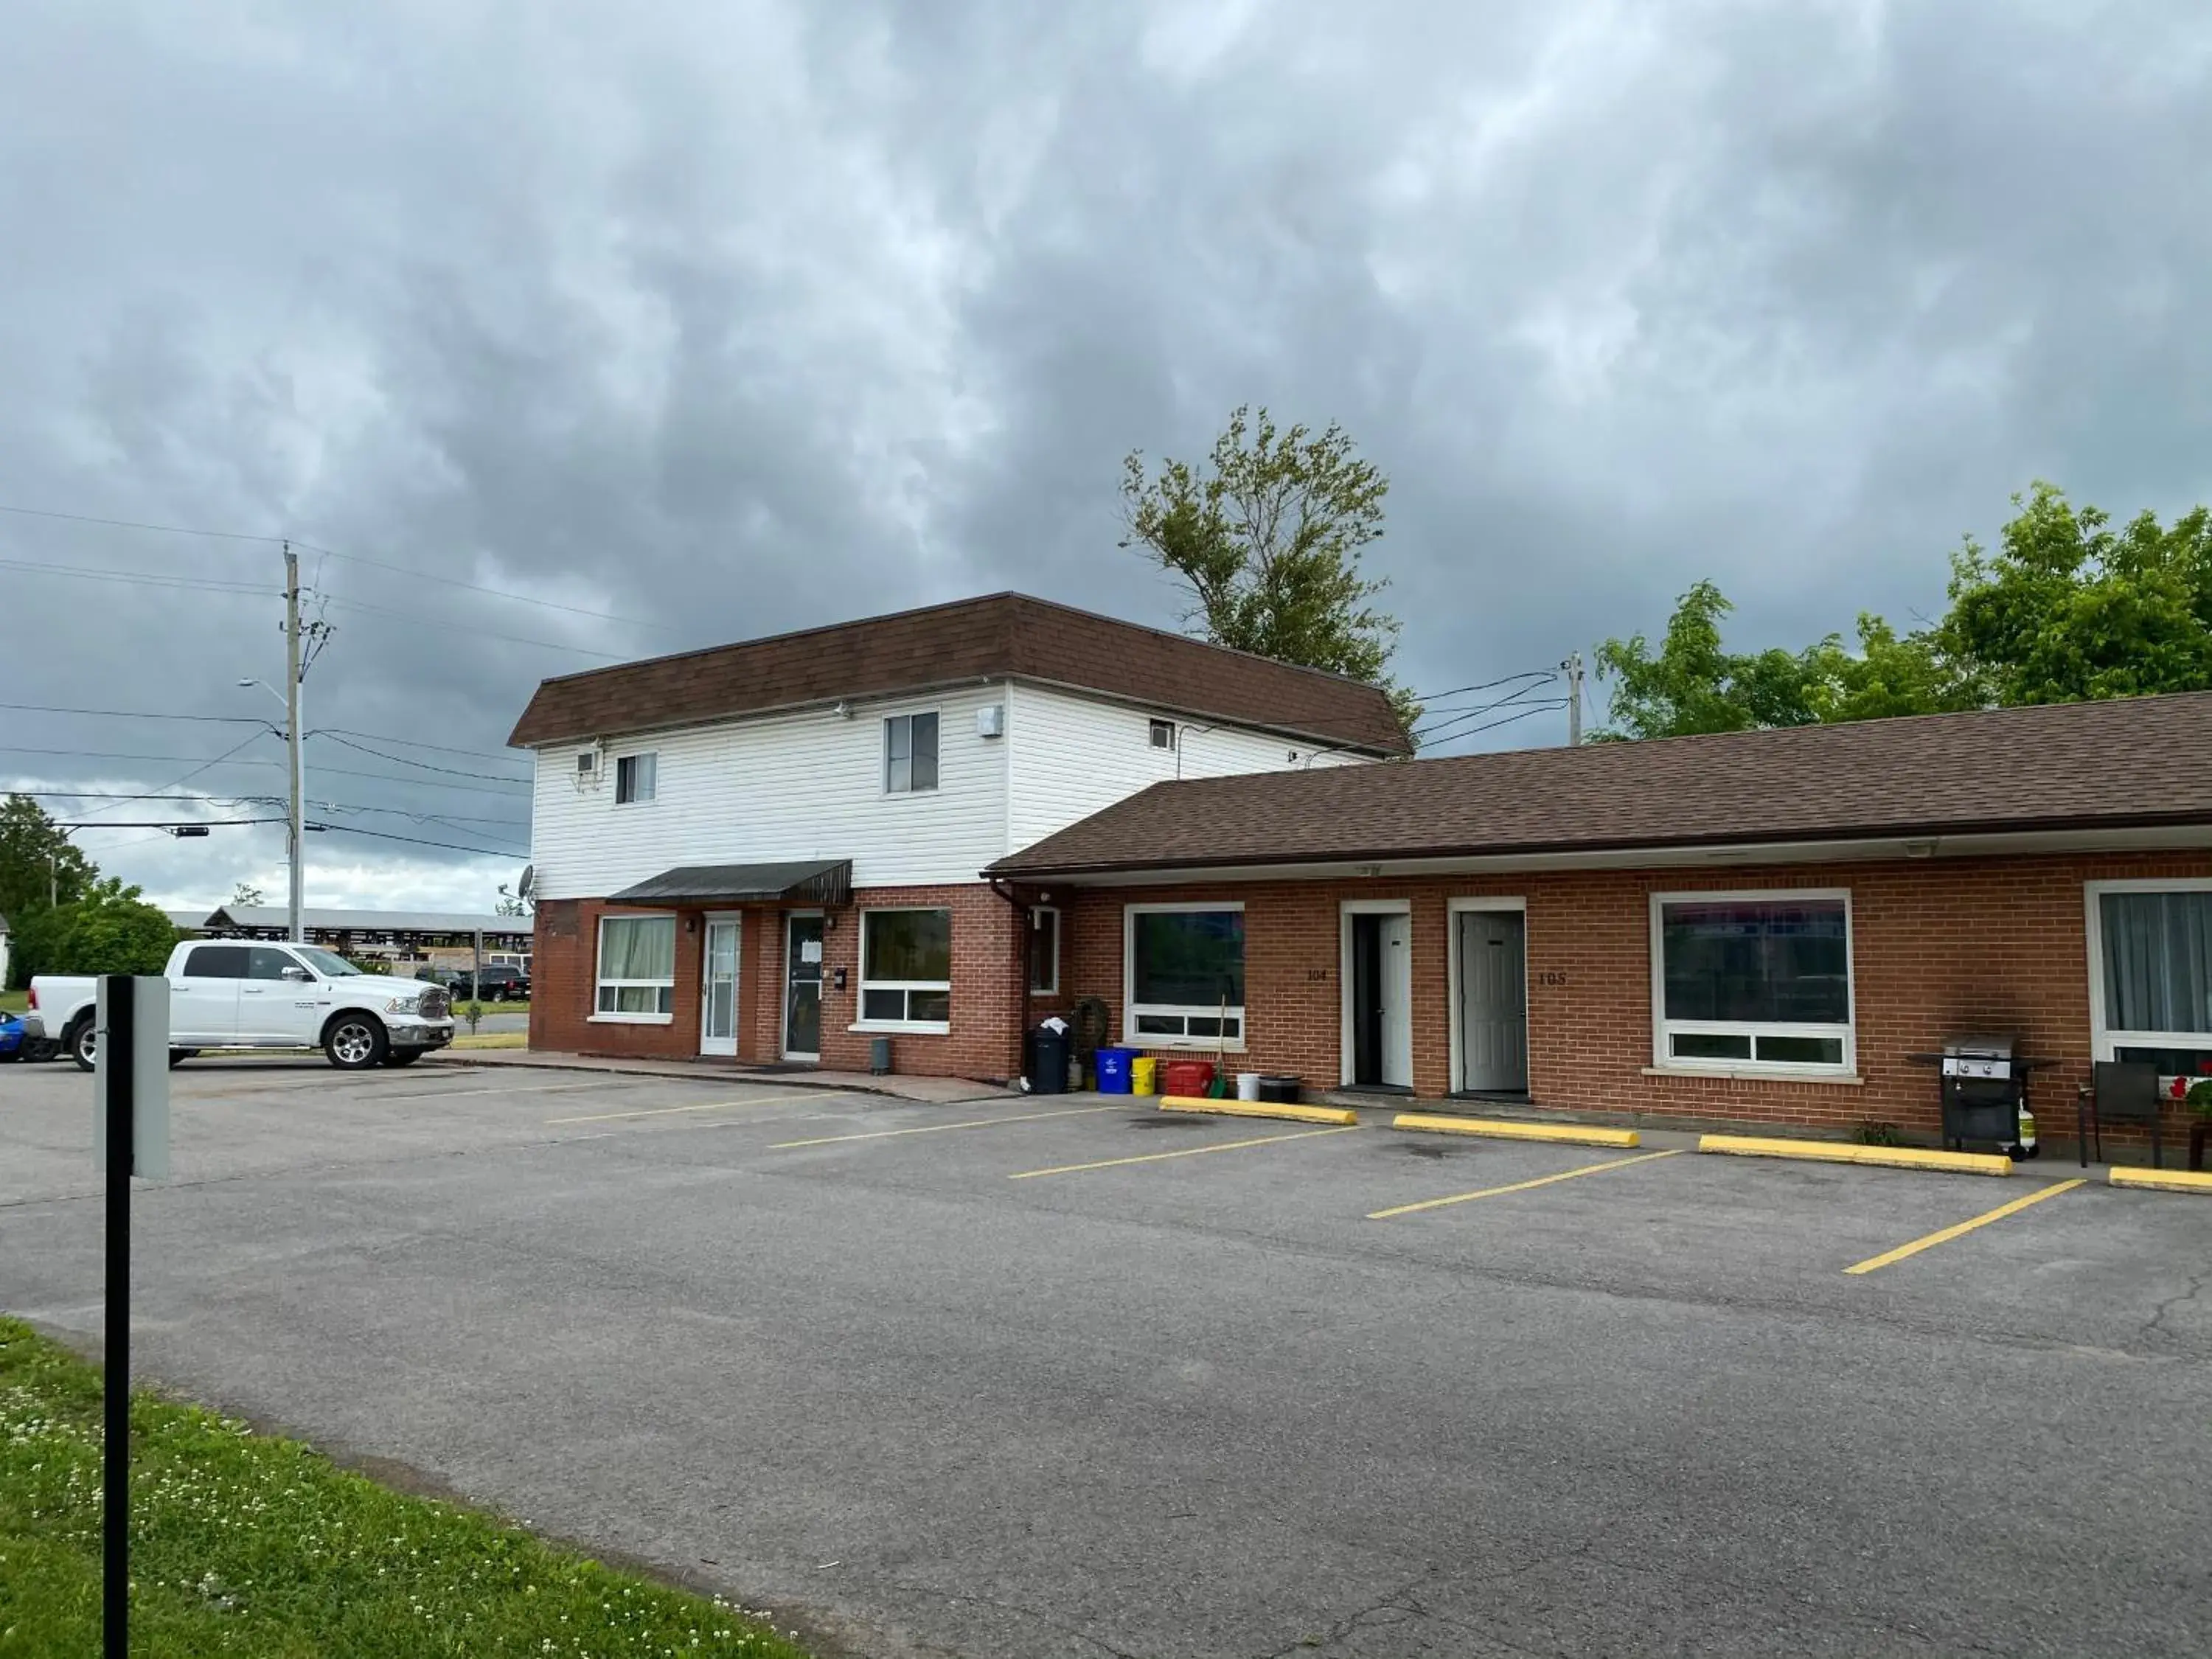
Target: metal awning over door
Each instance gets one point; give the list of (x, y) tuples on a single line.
[(814, 881)]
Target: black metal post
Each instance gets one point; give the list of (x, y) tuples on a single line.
[(117, 1046)]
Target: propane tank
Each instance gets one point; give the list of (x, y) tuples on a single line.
[(2026, 1145)]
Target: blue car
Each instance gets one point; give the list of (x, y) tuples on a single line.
[(23, 1038)]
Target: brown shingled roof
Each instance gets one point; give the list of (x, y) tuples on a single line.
[(1000, 636), (2139, 762)]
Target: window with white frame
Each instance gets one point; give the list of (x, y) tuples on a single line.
[(2152, 954), (1753, 980), (637, 968), (910, 753), (906, 968), (1044, 950), (635, 777), (1184, 974), (1163, 734)]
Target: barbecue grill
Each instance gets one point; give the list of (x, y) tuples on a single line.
[(1984, 1089)]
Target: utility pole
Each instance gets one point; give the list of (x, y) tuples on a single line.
[(1573, 666), (292, 734)]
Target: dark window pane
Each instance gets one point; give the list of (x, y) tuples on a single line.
[(216, 962), (910, 945), (1801, 1050), (1712, 1045), (1202, 1025), (929, 1005), (1160, 1025), (264, 962), (925, 752), (2158, 960), (1764, 962), (2171, 1062), (1044, 950), (1189, 958), (882, 1004)]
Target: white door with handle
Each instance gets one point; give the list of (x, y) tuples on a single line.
[(277, 1009), (1493, 1001), (203, 995), (1397, 938)]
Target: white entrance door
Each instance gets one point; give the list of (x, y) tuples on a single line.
[(1493, 1001), (718, 979), (1397, 940)]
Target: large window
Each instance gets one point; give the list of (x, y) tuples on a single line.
[(910, 753), (2152, 958), (636, 778), (1753, 980), (637, 968), (1185, 974), (906, 968)]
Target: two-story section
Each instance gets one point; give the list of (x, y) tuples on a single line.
[(770, 851)]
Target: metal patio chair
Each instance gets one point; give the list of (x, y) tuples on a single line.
[(2124, 1091)]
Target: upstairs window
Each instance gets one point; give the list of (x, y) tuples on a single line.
[(910, 753), (635, 778), (1753, 979), (1163, 734)]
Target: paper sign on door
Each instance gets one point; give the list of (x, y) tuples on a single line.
[(810, 950)]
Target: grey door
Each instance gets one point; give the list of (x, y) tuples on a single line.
[(1493, 1000), (802, 1003)]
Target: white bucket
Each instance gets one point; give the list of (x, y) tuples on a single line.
[(1248, 1086)]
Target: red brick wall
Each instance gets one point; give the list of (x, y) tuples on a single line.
[(986, 977), (1939, 948)]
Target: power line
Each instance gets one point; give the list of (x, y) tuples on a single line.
[(333, 553), (1533, 709), (135, 577), (403, 760), (170, 824), (205, 766), (1454, 716), (103, 754), (416, 617), (513, 786), (134, 714), (411, 743), (416, 841), (1486, 685)]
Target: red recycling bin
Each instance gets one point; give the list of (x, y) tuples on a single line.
[(1187, 1077)]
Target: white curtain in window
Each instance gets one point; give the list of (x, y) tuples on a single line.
[(638, 947), (2158, 960)]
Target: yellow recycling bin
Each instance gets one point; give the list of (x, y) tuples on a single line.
[(1145, 1075)]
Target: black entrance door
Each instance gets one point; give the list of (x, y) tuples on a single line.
[(802, 1004)]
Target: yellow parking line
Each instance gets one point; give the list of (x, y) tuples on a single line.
[(1186, 1152), (1947, 1234), (1521, 1185), (940, 1128), (701, 1106)]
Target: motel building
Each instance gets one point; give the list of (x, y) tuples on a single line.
[(942, 826)]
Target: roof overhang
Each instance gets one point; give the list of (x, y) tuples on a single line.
[(815, 881), (1856, 849)]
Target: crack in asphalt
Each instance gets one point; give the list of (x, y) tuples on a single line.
[(2156, 1325), (999, 1605)]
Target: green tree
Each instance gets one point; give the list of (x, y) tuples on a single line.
[(111, 930), (36, 860), (1266, 535), (2069, 610), (245, 893)]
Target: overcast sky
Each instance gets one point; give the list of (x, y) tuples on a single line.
[(728, 318)]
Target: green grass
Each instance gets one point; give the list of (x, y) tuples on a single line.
[(461, 1008), (249, 1545), (14, 1002)]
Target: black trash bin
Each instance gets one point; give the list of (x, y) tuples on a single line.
[(1047, 1061)]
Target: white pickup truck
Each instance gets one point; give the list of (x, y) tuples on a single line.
[(231, 995)]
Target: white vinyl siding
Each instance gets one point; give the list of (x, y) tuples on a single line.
[(1073, 755), (807, 786)]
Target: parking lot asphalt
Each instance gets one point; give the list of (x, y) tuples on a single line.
[(1065, 1375)]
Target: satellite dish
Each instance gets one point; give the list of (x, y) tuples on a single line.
[(529, 880)]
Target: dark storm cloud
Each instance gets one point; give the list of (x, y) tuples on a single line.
[(736, 317)]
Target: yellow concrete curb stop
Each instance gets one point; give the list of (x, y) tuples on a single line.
[(1831, 1152), (1573, 1134), (2163, 1180), (1260, 1109)]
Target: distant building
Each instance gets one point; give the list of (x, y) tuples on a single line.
[(401, 938)]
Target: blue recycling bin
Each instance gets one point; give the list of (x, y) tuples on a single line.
[(1114, 1077)]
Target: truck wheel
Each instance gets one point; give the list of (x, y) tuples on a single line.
[(83, 1043), (355, 1042)]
